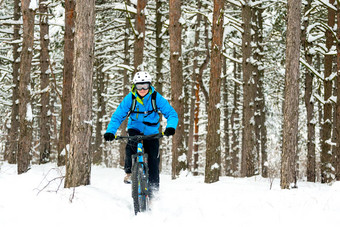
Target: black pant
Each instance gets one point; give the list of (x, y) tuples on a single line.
[(151, 147)]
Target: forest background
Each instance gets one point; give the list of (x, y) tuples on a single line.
[(222, 64)]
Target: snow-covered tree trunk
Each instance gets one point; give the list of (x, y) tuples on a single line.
[(235, 119), (66, 109), (45, 148), (139, 35), (12, 147), (291, 100), (226, 120), (25, 105), (126, 84), (326, 138), (78, 167), (99, 85), (159, 49), (194, 87), (249, 92), (260, 108), (213, 155), (309, 103), (337, 109), (159, 79), (175, 32)]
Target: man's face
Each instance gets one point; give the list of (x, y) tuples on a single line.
[(143, 92), (142, 89)]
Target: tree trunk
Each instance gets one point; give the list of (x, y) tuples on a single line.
[(45, 148), (126, 89), (12, 148), (227, 157), (66, 109), (78, 167), (100, 87), (235, 120), (291, 101), (194, 89), (25, 106), (249, 92), (175, 31), (213, 156), (337, 109), (326, 150), (159, 49), (198, 88), (260, 115), (159, 62), (140, 35), (309, 103)]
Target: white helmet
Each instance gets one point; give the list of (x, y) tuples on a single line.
[(142, 77)]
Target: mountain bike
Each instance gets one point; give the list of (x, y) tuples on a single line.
[(140, 172)]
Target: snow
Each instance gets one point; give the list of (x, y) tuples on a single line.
[(27, 200), (33, 5), (29, 113)]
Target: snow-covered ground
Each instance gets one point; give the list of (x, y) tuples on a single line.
[(28, 200)]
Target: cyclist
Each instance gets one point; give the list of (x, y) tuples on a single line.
[(143, 120)]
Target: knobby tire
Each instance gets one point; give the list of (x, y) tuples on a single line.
[(140, 187)]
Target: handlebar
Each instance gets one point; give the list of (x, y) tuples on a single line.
[(141, 137)]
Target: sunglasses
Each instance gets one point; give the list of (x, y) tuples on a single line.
[(144, 86)]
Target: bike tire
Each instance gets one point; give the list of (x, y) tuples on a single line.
[(140, 187)]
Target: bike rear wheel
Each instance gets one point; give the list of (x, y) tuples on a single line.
[(140, 187)]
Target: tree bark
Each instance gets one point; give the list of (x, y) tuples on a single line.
[(291, 101), (326, 150), (140, 35), (100, 89), (260, 108), (175, 31), (126, 89), (78, 168), (159, 62), (213, 156), (226, 119), (235, 120), (12, 147), (25, 106), (66, 109), (309, 103), (337, 109), (194, 89), (45, 148), (249, 92), (159, 49)]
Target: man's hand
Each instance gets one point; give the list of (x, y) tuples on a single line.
[(169, 131), (108, 136)]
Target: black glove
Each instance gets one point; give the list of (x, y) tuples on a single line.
[(108, 136), (169, 131)]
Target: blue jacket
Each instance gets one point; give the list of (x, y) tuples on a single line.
[(143, 105)]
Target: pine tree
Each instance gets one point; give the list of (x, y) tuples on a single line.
[(326, 135), (311, 156), (291, 101), (175, 31), (78, 167), (66, 109), (213, 157), (139, 35), (12, 148), (249, 92), (25, 105), (45, 148)]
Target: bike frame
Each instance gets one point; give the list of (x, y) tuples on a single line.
[(141, 157)]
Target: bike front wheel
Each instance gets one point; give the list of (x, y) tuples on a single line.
[(140, 187)]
